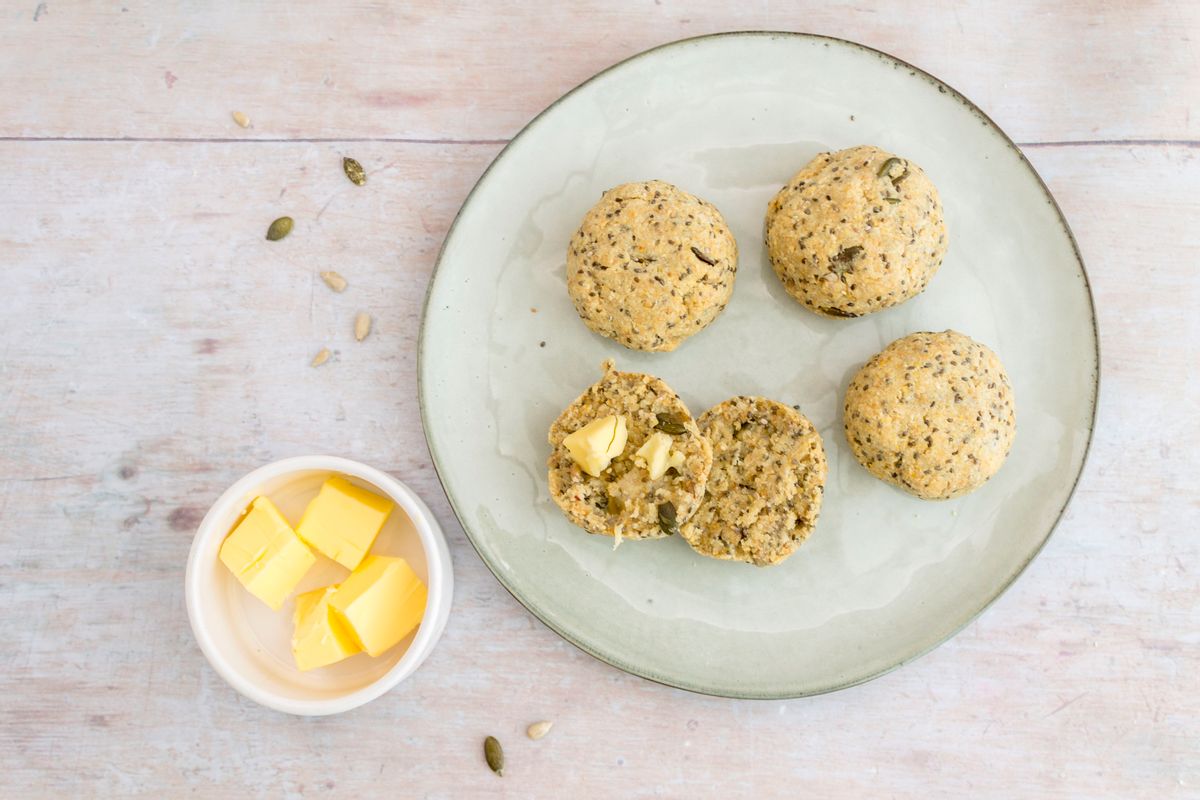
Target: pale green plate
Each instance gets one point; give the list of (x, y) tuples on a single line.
[(885, 577)]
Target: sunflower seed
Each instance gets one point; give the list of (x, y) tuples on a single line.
[(362, 326), (539, 729), (334, 281)]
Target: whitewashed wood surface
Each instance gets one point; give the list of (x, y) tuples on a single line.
[(153, 348)]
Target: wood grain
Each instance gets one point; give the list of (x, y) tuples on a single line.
[(1046, 70), (153, 348)]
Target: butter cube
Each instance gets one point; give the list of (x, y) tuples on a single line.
[(343, 520), (265, 554), (320, 637), (656, 456), (381, 602), (596, 444)]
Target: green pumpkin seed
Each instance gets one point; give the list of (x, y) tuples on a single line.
[(703, 256), (887, 166), (843, 262), (886, 172), (666, 519), (670, 423), (279, 229), (494, 755), (848, 254), (354, 171)]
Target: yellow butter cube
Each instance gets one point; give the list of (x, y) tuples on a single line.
[(595, 445), (656, 456), (265, 554), (381, 602), (320, 637), (343, 520)]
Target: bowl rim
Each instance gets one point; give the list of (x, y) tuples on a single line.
[(437, 608)]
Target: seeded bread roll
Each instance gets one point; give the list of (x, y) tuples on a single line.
[(767, 481), (651, 265), (624, 499), (856, 231), (932, 414)]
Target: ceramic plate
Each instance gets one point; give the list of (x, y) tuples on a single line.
[(884, 577)]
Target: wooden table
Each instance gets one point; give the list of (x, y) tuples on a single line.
[(153, 348)]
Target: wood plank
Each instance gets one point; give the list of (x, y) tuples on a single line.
[(153, 348), (1046, 70)]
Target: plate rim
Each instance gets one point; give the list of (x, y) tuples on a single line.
[(923, 648)]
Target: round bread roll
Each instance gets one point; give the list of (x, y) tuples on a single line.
[(651, 265), (767, 481), (856, 231), (625, 500), (932, 414)]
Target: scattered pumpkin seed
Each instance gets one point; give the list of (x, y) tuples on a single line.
[(279, 229), (321, 357), (615, 504), (670, 423), (241, 119), (666, 519), (334, 281), (354, 171), (539, 729), (362, 326), (892, 200), (494, 755)]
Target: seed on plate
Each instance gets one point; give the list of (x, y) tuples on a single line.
[(279, 229), (494, 755), (241, 119), (354, 171), (334, 281), (362, 326), (539, 729), (321, 357)]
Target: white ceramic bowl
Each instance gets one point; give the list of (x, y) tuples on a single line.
[(249, 645)]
